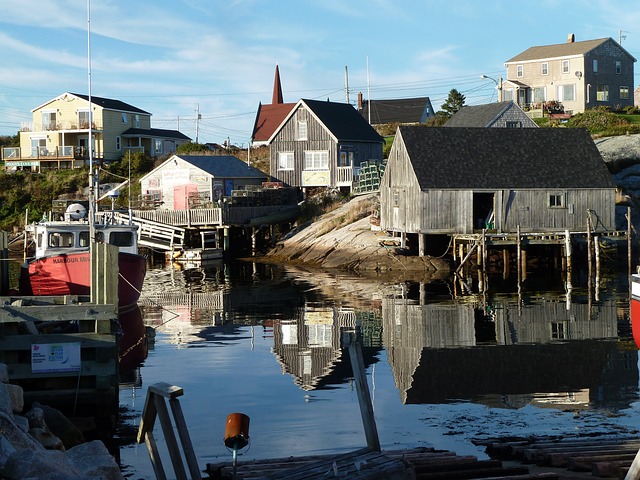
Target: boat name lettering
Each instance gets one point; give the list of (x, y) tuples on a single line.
[(70, 259)]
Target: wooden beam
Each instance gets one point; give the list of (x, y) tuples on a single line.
[(364, 397)]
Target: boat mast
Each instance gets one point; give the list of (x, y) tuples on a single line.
[(92, 193)]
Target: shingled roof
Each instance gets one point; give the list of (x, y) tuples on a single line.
[(481, 115), (111, 104), (342, 120), (402, 110), (226, 166), (155, 132), (567, 49), (504, 158)]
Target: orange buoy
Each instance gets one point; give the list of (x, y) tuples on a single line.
[(236, 434)]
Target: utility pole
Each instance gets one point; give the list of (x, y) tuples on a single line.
[(198, 117), (346, 82)]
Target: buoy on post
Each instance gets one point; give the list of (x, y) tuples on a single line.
[(236, 435)]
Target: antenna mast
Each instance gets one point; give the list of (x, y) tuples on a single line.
[(346, 82), (92, 207), (368, 92)]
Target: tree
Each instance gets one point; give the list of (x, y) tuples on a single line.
[(454, 102)]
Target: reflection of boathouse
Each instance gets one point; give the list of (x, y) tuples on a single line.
[(448, 350), (309, 348)]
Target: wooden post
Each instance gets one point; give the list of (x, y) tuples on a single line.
[(519, 254), (524, 264), (364, 398), (403, 239), (420, 244), (567, 253), (589, 247), (629, 245), (225, 246), (455, 257), (104, 273), (254, 235), (505, 263)]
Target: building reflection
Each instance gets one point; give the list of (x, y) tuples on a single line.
[(509, 351)]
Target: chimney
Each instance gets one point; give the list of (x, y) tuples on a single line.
[(571, 38), (359, 101)]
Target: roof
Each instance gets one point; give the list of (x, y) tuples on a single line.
[(155, 133), (480, 115), (504, 158), (567, 49), (111, 104), (226, 166), (403, 110), (342, 120), (268, 119)]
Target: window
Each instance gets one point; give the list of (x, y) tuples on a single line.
[(316, 160), (545, 68), (514, 124), (84, 239), (302, 131), (624, 92), (396, 198), (285, 160), (137, 119), (566, 93), (49, 120), (61, 239), (539, 94), (83, 119), (158, 143), (595, 66), (124, 118), (507, 94), (118, 144), (602, 92), (565, 66), (346, 158), (556, 200), (520, 71), (618, 67), (121, 239)]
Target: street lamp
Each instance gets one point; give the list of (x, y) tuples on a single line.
[(498, 84)]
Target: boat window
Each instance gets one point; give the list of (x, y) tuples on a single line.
[(39, 240), (61, 239), (84, 239), (121, 239), (99, 237)]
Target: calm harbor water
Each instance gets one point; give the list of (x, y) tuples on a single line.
[(445, 365)]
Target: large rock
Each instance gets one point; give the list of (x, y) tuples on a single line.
[(619, 152)]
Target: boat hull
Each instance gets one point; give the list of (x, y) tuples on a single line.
[(70, 274), (635, 307)]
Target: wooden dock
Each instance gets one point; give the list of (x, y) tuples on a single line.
[(63, 353), (418, 463)]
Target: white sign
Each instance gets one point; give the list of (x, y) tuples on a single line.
[(55, 357)]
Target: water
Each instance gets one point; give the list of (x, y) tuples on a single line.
[(444, 368)]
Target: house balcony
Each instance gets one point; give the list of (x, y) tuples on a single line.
[(43, 158), (66, 126)]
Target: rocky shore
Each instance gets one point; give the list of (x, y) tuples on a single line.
[(343, 239), (42, 444)]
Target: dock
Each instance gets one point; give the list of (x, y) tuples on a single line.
[(63, 353)]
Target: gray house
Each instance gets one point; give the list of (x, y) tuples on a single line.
[(322, 144), (460, 180), (500, 114)]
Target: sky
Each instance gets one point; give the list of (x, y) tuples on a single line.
[(177, 58)]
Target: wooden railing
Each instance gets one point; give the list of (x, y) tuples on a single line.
[(344, 176)]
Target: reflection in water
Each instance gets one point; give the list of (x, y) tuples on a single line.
[(276, 342)]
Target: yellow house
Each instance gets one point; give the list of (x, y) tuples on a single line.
[(58, 136)]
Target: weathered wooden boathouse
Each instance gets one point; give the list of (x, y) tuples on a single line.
[(472, 189)]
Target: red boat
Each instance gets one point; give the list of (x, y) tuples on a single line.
[(635, 307), (62, 262)]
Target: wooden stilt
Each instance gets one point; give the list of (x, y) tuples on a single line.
[(420, 244), (519, 255), (524, 264), (505, 263), (403, 239)]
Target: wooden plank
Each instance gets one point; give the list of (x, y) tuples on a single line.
[(170, 437), (64, 313), (364, 398), (154, 454), (148, 419), (166, 390), (185, 439), (585, 463)]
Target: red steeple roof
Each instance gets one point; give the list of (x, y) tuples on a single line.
[(277, 89)]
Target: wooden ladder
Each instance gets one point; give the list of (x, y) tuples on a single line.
[(155, 406)]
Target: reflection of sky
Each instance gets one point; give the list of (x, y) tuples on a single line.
[(239, 373)]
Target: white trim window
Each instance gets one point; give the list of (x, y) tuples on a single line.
[(545, 68), (566, 93), (556, 200), (618, 67), (565, 66), (124, 118), (602, 92), (118, 143), (285, 160), (519, 71), (301, 132), (539, 94), (316, 160)]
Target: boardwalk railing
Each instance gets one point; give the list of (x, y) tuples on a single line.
[(154, 234)]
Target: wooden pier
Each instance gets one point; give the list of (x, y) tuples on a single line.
[(63, 353)]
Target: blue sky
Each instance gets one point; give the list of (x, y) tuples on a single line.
[(171, 57)]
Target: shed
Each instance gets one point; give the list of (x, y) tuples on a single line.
[(208, 178), (460, 180)]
